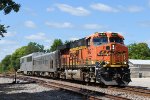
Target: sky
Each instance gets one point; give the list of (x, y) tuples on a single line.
[(42, 21)]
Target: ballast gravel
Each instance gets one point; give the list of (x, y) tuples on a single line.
[(26, 91), (32, 91), (107, 90)]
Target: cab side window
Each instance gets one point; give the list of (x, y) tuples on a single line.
[(88, 42)]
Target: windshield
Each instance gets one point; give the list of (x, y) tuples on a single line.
[(100, 40), (116, 39)]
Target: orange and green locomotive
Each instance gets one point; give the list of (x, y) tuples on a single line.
[(100, 57)]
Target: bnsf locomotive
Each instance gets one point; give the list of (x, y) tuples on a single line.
[(100, 58)]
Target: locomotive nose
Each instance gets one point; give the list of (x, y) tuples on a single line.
[(118, 54)]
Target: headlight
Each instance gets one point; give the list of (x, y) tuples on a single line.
[(113, 47), (125, 62)]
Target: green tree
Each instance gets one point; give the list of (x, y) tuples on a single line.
[(47, 50), (3, 30), (1, 68), (139, 51), (15, 58), (14, 61), (34, 47), (7, 6), (6, 62), (66, 42), (56, 43), (25, 50)]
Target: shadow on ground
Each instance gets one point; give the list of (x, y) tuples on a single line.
[(6, 89)]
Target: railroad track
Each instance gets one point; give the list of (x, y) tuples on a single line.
[(86, 93), (142, 91), (89, 94)]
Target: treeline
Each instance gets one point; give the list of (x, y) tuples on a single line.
[(12, 62), (139, 51)]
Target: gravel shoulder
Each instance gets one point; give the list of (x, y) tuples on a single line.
[(143, 82), (103, 90), (32, 91)]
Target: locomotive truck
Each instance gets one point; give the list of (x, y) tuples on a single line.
[(99, 58)]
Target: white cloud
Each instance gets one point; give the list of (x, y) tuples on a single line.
[(93, 26), (7, 42), (10, 34), (38, 36), (5, 50), (77, 11), (30, 24), (49, 9), (59, 25), (103, 7), (133, 9), (106, 8)]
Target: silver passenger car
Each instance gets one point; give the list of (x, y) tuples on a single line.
[(45, 64), (26, 63)]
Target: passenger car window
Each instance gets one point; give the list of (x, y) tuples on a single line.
[(22, 60), (51, 64), (29, 59)]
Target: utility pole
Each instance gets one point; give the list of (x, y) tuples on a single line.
[(15, 78)]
